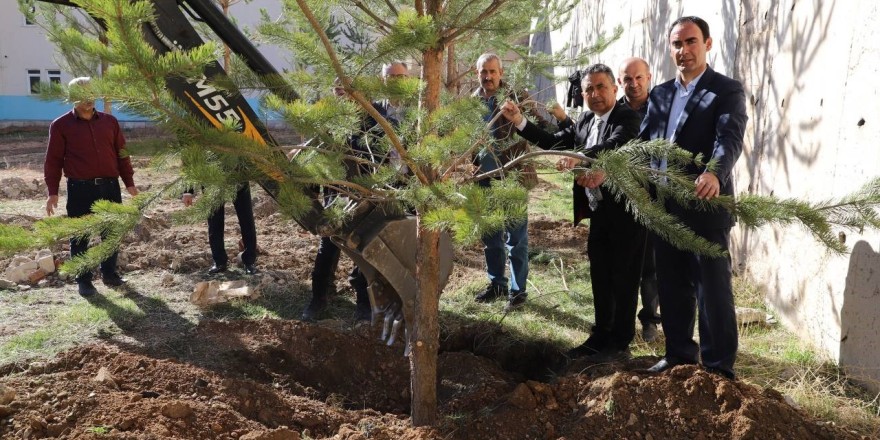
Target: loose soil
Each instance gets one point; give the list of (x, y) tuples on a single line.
[(186, 374)]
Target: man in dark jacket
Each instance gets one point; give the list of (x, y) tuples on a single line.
[(635, 79), (327, 258), (616, 242), (510, 245), (704, 112)]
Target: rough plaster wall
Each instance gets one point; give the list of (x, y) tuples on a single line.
[(809, 69), (810, 66)]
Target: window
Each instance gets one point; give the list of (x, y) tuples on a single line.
[(34, 80), (54, 76)]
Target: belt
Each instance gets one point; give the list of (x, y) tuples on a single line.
[(98, 181)]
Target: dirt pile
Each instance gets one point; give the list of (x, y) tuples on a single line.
[(290, 380)]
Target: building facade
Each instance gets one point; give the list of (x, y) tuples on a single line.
[(28, 58)]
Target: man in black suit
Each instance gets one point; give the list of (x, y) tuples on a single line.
[(703, 112), (635, 80), (616, 242)]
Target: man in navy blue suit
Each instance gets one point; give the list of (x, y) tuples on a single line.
[(703, 112)]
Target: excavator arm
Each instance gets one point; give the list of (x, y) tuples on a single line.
[(383, 245)]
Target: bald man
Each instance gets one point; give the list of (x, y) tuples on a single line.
[(634, 77)]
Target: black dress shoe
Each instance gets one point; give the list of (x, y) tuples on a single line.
[(661, 366), (217, 268), (113, 280), (665, 364), (585, 349), (86, 289), (649, 332)]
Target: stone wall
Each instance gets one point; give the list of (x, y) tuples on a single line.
[(809, 70)]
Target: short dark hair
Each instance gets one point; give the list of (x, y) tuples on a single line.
[(704, 27), (596, 68)]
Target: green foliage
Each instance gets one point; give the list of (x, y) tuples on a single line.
[(857, 211), (15, 239)]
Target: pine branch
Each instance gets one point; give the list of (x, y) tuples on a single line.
[(382, 24), (356, 95), (857, 211), (627, 176)]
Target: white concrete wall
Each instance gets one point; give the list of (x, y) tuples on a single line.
[(22, 47), (809, 69)]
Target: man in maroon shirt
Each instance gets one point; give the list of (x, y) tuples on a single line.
[(88, 147)]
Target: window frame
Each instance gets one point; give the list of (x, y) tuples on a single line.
[(31, 75)]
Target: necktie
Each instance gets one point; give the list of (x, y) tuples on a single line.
[(594, 195)]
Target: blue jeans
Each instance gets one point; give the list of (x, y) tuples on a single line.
[(513, 242)]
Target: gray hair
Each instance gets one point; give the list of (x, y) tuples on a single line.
[(387, 67), (596, 68), (486, 57)]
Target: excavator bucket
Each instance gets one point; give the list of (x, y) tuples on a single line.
[(384, 248)]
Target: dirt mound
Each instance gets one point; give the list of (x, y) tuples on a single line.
[(18, 188), (286, 379)]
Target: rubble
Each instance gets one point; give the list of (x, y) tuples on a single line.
[(30, 270), (208, 293)]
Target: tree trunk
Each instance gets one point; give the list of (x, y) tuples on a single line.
[(432, 71), (453, 83), (227, 53), (425, 338), (108, 105)]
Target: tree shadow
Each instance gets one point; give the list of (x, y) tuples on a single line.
[(153, 329), (654, 42)]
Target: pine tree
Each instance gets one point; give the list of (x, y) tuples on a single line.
[(435, 139)]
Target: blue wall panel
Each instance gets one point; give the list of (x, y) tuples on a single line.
[(29, 108)]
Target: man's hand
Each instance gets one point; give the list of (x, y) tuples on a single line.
[(567, 163), (187, 199), (557, 111), (591, 179), (511, 112), (708, 186), (132, 190), (51, 204)]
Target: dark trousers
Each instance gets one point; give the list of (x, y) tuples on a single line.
[(80, 198), (688, 283), (648, 288), (244, 210), (615, 247), (324, 273)]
